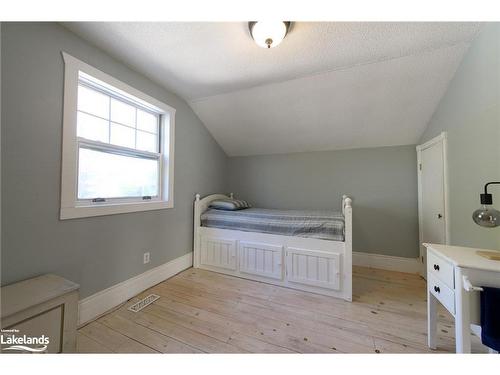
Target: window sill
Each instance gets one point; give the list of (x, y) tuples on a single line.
[(112, 209)]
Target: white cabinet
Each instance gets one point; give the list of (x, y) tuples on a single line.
[(261, 259), (218, 252), (44, 308), (314, 268)]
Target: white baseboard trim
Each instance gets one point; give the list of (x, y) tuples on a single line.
[(97, 304), (386, 262)]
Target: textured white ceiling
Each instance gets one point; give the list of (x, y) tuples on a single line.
[(383, 104), (327, 86)]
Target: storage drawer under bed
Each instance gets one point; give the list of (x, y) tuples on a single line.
[(281, 262)]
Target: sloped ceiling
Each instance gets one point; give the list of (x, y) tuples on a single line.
[(327, 86)]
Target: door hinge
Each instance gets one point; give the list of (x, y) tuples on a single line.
[(420, 166), (422, 258)]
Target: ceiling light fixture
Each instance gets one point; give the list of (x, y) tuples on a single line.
[(268, 34)]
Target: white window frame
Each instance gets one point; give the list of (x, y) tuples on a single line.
[(71, 207)]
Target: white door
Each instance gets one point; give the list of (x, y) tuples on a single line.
[(432, 194)]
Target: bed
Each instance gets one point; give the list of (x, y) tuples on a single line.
[(325, 225), (308, 250)]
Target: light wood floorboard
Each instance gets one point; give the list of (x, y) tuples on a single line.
[(206, 312)]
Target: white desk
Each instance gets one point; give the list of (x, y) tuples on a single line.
[(448, 269)]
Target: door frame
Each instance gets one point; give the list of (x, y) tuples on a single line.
[(443, 139)]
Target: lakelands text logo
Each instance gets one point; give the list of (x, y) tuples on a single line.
[(24, 343)]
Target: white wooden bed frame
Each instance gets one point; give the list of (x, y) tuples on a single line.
[(309, 264)]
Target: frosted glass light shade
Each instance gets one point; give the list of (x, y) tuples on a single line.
[(486, 217), (268, 34)]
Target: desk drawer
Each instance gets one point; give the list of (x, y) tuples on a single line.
[(441, 269), (444, 294)]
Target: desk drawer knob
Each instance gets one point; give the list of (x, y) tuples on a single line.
[(436, 289), (436, 267)]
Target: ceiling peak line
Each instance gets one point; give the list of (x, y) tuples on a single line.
[(321, 150), (339, 69)]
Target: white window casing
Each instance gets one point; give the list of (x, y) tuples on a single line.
[(77, 72)]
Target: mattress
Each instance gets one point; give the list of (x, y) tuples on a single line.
[(325, 225)]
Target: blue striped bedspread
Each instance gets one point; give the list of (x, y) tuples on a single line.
[(325, 225)]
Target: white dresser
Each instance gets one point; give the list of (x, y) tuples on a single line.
[(454, 275), (43, 308)]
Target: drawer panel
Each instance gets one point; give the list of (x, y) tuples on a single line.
[(218, 252), (441, 269), (261, 259), (444, 294), (313, 268)]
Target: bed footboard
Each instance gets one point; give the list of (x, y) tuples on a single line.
[(347, 211)]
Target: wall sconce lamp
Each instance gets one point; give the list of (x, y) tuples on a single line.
[(487, 216)]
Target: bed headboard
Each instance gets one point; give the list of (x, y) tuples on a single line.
[(200, 206), (203, 203)]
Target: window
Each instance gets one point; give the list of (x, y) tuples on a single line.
[(117, 146)]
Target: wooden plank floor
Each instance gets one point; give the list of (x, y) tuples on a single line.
[(205, 312)]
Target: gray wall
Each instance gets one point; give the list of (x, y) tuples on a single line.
[(382, 182), (100, 251), (470, 113)]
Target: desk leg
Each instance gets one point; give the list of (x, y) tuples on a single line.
[(462, 315), (431, 320)]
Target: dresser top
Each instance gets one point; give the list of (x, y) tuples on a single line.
[(465, 257), (25, 294)]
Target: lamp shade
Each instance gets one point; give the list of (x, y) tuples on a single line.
[(268, 34), (486, 217)]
